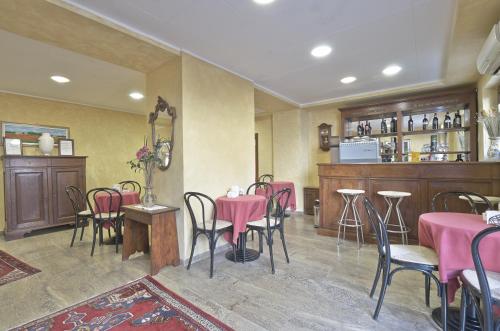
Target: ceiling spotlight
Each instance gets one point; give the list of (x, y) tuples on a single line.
[(136, 95), (321, 51), (60, 79), (391, 70), (348, 80), (263, 2)]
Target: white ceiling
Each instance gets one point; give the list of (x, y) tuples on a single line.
[(27, 65), (270, 44)]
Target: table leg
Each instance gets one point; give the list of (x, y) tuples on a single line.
[(136, 239), (471, 321), (164, 245), (243, 254)]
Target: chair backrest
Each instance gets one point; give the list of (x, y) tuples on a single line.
[(276, 206), (379, 228), (261, 188), (471, 197), (131, 184), (486, 300), (112, 198), (200, 206), (266, 178), (75, 195)]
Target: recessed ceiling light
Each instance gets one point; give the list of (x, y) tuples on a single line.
[(321, 51), (348, 80), (136, 95), (60, 79), (263, 2), (391, 70)]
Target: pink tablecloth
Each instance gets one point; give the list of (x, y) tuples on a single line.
[(450, 235), (278, 186), (128, 198), (240, 210)]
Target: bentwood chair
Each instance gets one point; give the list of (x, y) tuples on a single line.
[(82, 214), (274, 220), (112, 217), (481, 286), (131, 185), (472, 198), (266, 178), (203, 213), (405, 257), (260, 188)]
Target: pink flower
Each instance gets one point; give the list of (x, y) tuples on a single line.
[(141, 153)]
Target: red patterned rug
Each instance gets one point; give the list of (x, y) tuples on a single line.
[(12, 269), (143, 304)]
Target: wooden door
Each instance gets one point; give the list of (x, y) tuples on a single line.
[(62, 177), (28, 198)]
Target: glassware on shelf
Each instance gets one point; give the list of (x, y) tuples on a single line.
[(447, 121), (368, 128), (435, 122), (425, 122), (410, 124), (457, 120)]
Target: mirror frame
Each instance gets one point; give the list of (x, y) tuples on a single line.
[(162, 106)]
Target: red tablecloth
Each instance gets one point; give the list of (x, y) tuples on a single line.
[(278, 186), (240, 210), (450, 235), (102, 200)]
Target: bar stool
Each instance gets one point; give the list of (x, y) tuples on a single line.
[(390, 197), (350, 196)]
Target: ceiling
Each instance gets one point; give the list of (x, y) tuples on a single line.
[(270, 44), (27, 65)]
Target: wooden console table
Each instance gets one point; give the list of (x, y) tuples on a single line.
[(164, 244)]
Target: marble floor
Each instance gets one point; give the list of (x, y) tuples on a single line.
[(323, 288)]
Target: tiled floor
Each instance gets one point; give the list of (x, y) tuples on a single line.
[(323, 287)]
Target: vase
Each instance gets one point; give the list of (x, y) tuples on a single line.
[(46, 143), (494, 149), (149, 198)]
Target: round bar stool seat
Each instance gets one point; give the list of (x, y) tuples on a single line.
[(401, 228), (350, 196)]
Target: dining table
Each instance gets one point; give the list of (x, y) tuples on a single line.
[(278, 186), (103, 206), (450, 235), (241, 210)]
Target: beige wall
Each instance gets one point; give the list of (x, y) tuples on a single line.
[(264, 128), (108, 138)]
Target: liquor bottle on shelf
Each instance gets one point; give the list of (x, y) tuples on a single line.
[(394, 124), (457, 120), (435, 122), (425, 122), (394, 145), (410, 124), (447, 121), (434, 143), (367, 128), (361, 130), (383, 126)]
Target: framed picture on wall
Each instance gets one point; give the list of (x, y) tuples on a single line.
[(29, 133), (66, 147), (12, 146)]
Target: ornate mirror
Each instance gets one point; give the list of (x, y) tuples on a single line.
[(162, 132)]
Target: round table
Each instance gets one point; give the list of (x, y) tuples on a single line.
[(278, 186), (450, 235), (239, 211)]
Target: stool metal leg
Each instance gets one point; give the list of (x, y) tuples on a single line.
[(389, 210), (341, 221), (404, 235), (357, 218)]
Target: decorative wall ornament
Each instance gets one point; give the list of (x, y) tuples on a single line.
[(46, 143), (163, 146)]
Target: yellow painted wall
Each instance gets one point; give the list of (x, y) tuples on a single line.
[(264, 128), (218, 132), (108, 138)]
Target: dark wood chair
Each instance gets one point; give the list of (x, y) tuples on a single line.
[(131, 185), (274, 220), (266, 178), (472, 198), (82, 214), (405, 257), (260, 188), (203, 213), (481, 286), (112, 217)]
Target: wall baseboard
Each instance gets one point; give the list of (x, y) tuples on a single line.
[(206, 255)]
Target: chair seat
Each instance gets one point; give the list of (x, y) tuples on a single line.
[(470, 276), (105, 216), (219, 224), (263, 223), (394, 194), (476, 199), (85, 213), (414, 254), (350, 191)]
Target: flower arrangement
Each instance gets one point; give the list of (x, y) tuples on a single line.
[(491, 121), (145, 161)]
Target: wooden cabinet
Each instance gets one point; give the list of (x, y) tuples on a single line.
[(34, 192), (310, 195)]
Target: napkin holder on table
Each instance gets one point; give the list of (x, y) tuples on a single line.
[(487, 215)]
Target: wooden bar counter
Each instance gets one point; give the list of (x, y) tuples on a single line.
[(423, 180)]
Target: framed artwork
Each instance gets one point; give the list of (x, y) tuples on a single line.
[(29, 133), (66, 147), (12, 146)]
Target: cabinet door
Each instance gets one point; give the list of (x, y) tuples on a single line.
[(28, 198), (62, 177)]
